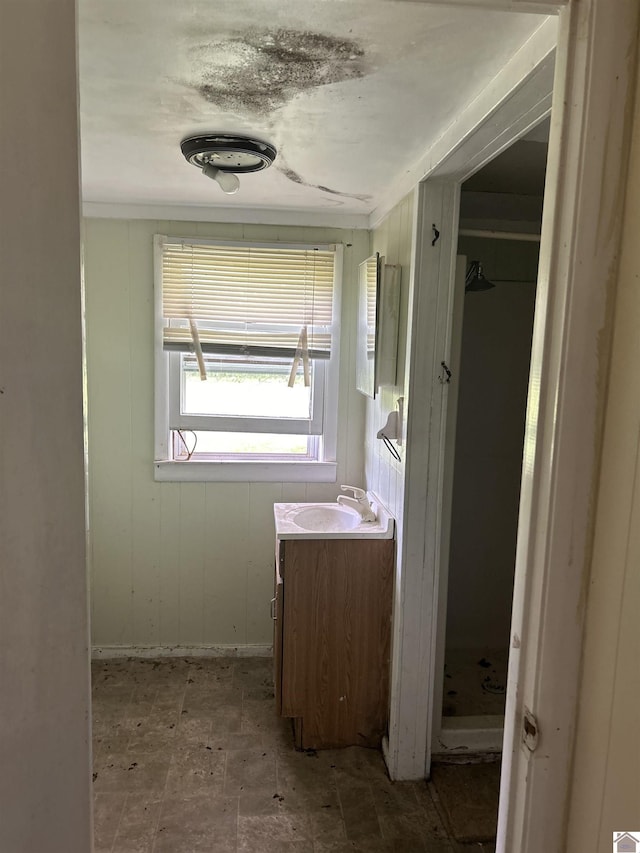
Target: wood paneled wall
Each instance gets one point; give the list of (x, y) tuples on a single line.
[(385, 475), (187, 564)]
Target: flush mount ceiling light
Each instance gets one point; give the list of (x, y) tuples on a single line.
[(223, 157)]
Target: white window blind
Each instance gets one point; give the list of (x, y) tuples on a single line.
[(251, 300)]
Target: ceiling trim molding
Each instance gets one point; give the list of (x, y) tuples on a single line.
[(526, 78), (540, 7), (238, 215)]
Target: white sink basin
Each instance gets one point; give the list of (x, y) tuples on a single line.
[(331, 521), (324, 518)]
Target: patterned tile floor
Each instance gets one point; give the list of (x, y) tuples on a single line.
[(190, 756)]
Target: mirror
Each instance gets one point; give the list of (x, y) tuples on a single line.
[(368, 278), (377, 337)]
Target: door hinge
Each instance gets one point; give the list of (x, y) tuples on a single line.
[(530, 730)]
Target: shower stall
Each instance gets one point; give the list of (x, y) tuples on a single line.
[(490, 367)]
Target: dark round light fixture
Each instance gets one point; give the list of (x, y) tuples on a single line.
[(223, 156)]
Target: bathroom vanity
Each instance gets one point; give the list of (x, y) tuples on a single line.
[(332, 630)]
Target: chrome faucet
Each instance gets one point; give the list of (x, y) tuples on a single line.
[(359, 502)]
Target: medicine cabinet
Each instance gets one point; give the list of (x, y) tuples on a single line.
[(377, 336)]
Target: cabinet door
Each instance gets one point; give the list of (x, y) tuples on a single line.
[(337, 640)]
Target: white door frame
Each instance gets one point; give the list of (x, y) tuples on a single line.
[(588, 153)]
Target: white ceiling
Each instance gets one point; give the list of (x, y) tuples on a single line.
[(351, 92)]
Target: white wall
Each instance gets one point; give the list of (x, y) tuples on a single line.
[(606, 774), (384, 474), (187, 564), (393, 238), (45, 767), (494, 374)]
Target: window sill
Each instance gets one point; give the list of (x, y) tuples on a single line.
[(245, 472)]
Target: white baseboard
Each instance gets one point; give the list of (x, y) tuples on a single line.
[(245, 651)]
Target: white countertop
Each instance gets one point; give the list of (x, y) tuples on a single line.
[(286, 528)]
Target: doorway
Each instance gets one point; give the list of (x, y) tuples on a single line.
[(492, 327), (563, 426), (486, 397)]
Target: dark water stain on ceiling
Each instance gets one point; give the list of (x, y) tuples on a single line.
[(260, 70), (297, 179)]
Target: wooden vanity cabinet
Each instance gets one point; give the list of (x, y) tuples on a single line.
[(332, 639)]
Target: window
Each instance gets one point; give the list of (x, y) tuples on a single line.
[(246, 361)]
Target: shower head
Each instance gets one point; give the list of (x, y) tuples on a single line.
[(474, 280)]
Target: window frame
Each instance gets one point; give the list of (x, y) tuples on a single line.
[(232, 469), (206, 456), (229, 423)]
